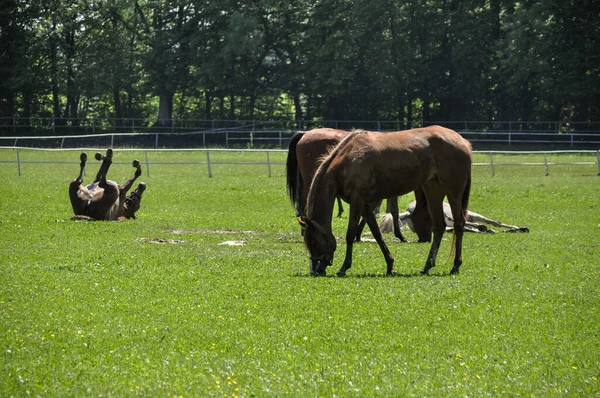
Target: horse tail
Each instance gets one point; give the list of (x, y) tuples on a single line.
[(293, 178)]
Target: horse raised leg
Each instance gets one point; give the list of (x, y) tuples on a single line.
[(77, 203), (129, 204), (106, 162)]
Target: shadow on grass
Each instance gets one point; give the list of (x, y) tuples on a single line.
[(416, 274)]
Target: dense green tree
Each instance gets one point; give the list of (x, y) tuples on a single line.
[(409, 62)]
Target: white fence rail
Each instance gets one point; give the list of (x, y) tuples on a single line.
[(251, 137), (209, 162)]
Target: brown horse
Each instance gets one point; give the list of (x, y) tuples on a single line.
[(105, 199), (367, 167), (306, 150)]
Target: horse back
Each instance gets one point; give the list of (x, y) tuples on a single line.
[(393, 164)]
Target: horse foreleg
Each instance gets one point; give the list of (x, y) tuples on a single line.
[(361, 227), (124, 188), (392, 207), (475, 217), (372, 222), (340, 207), (351, 233)]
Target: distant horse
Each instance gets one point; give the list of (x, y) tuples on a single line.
[(305, 152), (105, 199), (474, 221), (366, 167)]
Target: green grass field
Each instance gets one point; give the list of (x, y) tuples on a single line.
[(158, 306)]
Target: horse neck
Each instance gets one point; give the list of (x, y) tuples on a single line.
[(320, 209)]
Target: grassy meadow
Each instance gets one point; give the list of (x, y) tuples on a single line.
[(160, 306)]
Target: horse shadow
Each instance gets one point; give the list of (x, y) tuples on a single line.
[(365, 275)]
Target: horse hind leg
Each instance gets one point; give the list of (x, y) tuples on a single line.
[(458, 213), (436, 211), (106, 162), (76, 202)]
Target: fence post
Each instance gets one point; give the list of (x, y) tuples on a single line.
[(269, 162), (546, 163), (112, 140), (204, 139), (18, 162), (208, 163), (227, 139), (156, 141), (147, 164), (492, 163), (598, 158)]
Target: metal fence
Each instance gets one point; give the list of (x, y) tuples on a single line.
[(140, 133), (209, 162)]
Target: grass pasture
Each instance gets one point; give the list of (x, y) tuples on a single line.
[(159, 306)]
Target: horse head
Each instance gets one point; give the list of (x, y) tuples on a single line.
[(320, 243)]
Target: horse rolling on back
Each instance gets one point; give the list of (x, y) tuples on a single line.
[(474, 222), (105, 199), (367, 167)]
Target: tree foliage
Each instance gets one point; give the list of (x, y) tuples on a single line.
[(442, 60)]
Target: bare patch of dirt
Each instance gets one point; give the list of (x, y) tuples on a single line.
[(233, 243), (212, 232), (159, 240)]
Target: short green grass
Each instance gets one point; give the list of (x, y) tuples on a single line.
[(99, 309)]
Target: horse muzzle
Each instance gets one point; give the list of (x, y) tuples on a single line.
[(318, 266)]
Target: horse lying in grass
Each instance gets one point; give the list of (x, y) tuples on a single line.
[(306, 150), (104, 199), (474, 221), (365, 168)]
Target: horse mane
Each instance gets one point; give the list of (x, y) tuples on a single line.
[(326, 161)]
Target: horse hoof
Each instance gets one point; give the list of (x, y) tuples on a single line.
[(98, 156), (83, 157), (341, 274), (136, 163), (391, 273), (454, 271), (425, 272)]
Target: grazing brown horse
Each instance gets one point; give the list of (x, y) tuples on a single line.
[(105, 199), (305, 152), (367, 167)]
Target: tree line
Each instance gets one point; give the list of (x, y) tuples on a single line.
[(302, 59)]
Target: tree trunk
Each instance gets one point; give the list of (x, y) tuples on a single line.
[(208, 99), (165, 110), (297, 107)]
